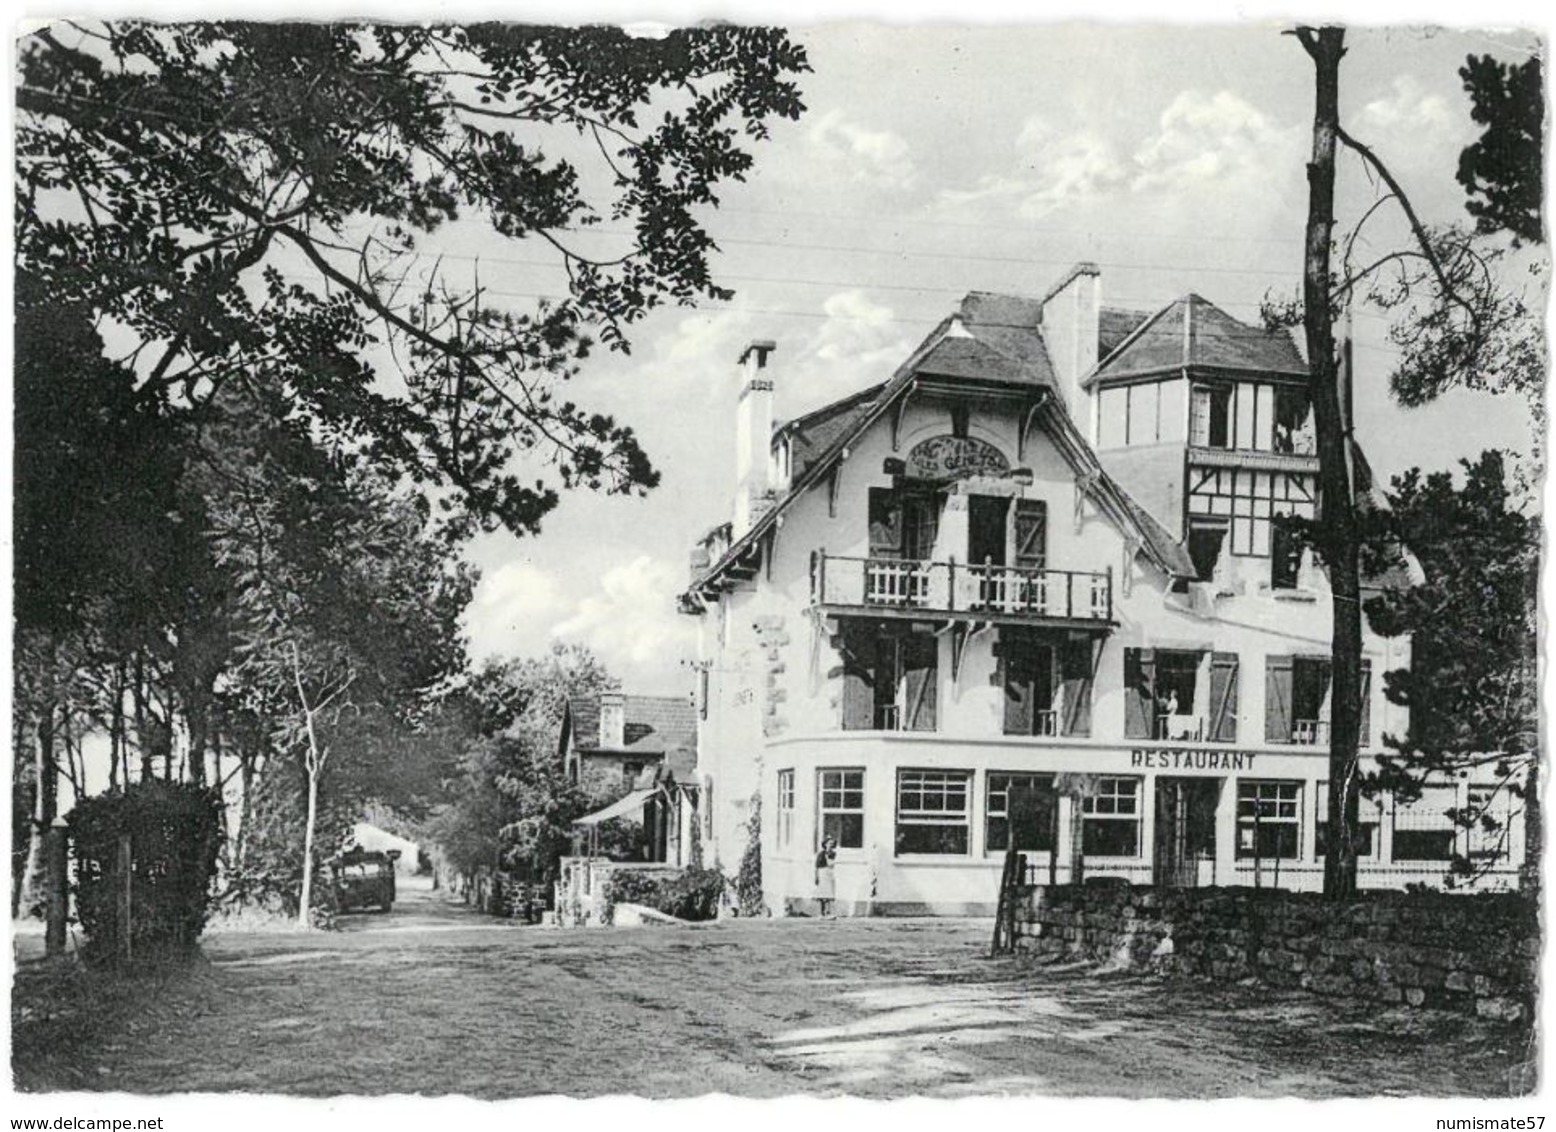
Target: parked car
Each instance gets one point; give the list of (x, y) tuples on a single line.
[(365, 879)]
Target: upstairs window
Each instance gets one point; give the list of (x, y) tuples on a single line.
[(1047, 681), (1177, 694), (1294, 434), (903, 523), (1297, 700), (1210, 416), (890, 678)]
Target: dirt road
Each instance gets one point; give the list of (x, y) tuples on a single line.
[(434, 999)]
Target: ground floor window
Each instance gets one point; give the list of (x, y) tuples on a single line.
[(1369, 820), (1110, 825), (842, 807), (785, 808), (1487, 820), (1269, 820), (932, 811), (1424, 830), (1019, 813)]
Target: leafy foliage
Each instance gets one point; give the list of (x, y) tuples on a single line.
[(174, 830), (252, 199), (1472, 686), (1502, 172), (748, 880), (690, 894)]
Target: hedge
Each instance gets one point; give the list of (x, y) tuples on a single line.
[(175, 835), (691, 894)]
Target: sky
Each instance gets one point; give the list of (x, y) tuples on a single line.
[(933, 160)]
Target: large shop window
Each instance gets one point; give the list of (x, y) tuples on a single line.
[(1180, 694), (1249, 500), (904, 523), (1110, 819), (932, 811), (1269, 820), (1369, 819), (890, 677), (1297, 700), (1424, 830), (785, 808), (841, 793), (1048, 682), (1020, 813)]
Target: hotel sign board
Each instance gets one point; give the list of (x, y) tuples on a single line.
[(955, 457), (1190, 758)]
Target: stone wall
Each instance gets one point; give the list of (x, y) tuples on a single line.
[(1478, 954)]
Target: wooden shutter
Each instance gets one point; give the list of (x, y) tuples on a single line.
[(1139, 693), (1016, 673), (858, 684), (1031, 534), (885, 523), (1366, 703), (919, 655), (1277, 699), (1223, 697), (1077, 667)]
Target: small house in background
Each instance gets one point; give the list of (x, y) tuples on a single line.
[(610, 738), (641, 752)]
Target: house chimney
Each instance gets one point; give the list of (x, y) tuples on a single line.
[(753, 437), (1071, 324), (613, 721)]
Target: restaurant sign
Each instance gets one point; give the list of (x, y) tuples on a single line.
[(1191, 758), (955, 457)]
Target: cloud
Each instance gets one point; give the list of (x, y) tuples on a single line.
[(1203, 142), (512, 603), (631, 622), (1408, 107), (857, 344), (1207, 140), (878, 157)]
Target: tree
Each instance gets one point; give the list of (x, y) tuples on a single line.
[(253, 200), (1503, 168), (1457, 324), (1472, 686)]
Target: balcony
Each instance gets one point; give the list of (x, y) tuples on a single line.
[(907, 587)]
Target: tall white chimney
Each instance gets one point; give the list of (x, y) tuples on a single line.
[(613, 721), (1072, 321), (753, 437)]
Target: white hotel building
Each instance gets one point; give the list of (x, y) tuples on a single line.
[(1027, 589)]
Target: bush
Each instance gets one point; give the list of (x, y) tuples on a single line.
[(690, 894), (175, 835)]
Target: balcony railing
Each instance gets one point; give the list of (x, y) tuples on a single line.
[(954, 587), (1311, 732)]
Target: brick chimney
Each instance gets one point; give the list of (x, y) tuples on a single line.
[(613, 721), (753, 437), (1071, 323)]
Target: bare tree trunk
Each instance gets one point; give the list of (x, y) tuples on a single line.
[(1338, 530), (306, 899), (46, 807)]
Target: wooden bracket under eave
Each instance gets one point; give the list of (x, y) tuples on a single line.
[(1027, 420)]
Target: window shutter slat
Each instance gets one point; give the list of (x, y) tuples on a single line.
[(1223, 697), (1277, 699), (1077, 686)]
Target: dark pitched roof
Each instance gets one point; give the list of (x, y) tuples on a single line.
[(1114, 324), (1004, 333), (1195, 333), (655, 724)]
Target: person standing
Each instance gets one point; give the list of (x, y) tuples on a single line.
[(826, 879)]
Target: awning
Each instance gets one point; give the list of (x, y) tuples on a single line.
[(630, 804)]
